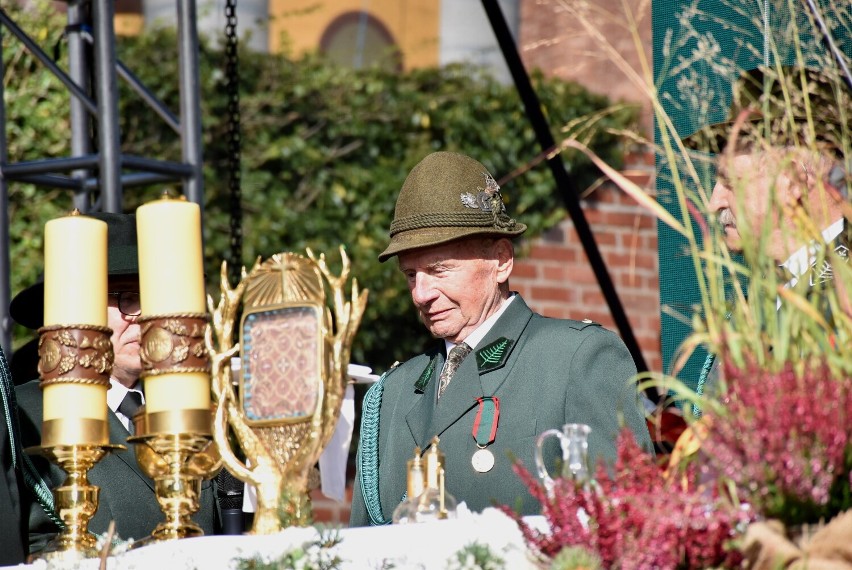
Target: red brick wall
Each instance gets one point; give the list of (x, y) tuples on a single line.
[(329, 511), (555, 42), (554, 275)]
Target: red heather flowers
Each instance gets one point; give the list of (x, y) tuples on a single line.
[(638, 518), (784, 442)]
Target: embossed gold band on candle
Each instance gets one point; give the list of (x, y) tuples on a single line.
[(75, 353), (173, 344), (65, 431)]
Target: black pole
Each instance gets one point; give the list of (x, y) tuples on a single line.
[(106, 87), (5, 261), (564, 183)]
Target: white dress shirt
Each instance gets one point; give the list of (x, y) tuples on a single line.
[(479, 333), (116, 394)]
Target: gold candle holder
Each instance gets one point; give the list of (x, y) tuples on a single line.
[(75, 357), (177, 451), (76, 500), (174, 445)]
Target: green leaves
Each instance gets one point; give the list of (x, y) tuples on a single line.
[(325, 150)]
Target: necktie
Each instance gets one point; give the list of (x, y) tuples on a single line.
[(128, 407), (454, 359)]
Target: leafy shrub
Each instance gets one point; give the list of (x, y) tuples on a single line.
[(325, 150)]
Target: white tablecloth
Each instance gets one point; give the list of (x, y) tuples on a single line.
[(423, 546)]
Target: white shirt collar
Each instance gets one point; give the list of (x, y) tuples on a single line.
[(479, 332), (801, 261), (116, 394)]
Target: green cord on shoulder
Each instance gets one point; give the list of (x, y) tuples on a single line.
[(367, 456), (32, 478)]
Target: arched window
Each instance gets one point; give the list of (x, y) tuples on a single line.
[(358, 39)]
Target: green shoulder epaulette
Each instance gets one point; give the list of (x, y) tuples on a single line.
[(423, 380), (584, 324)]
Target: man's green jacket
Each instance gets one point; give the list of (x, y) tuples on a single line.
[(545, 372)]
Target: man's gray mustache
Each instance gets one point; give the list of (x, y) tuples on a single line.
[(726, 218)]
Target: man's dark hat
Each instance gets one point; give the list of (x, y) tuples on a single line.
[(448, 196), (27, 308), (780, 102), (24, 363)]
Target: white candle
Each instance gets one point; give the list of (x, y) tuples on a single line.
[(72, 405), (75, 293), (171, 261), (178, 391), (75, 271), (171, 281)]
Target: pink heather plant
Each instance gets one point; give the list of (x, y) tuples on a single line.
[(784, 441), (638, 517)]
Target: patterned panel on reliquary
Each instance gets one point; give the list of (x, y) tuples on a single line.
[(284, 368)]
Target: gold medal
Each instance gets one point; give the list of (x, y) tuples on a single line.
[(482, 460)]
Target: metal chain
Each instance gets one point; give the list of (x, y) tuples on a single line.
[(232, 90)]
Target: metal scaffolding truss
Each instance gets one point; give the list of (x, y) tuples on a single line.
[(105, 172)]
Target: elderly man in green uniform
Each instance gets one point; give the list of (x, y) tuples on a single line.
[(126, 493), (453, 240)]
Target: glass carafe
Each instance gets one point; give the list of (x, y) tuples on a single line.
[(574, 442)]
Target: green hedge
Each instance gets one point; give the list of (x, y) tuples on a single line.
[(325, 151)]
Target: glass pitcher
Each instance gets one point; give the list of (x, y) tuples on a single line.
[(574, 441)]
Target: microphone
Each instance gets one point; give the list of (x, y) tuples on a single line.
[(229, 492)]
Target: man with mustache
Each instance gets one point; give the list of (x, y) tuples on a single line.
[(499, 375), (770, 161), (126, 493), (762, 172)]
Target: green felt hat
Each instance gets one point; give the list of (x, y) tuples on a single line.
[(27, 308), (448, 196), (779, 103)]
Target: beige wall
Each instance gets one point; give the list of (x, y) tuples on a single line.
[(129, 24), (412, 23)]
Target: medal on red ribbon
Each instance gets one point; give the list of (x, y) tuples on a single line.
[(485, 432)]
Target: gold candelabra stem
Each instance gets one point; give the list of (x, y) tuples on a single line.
[(76, 500), (74, 358), (177, 460), (178, 490)]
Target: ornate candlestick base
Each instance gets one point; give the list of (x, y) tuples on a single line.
[(177, 461), (76, 500)]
